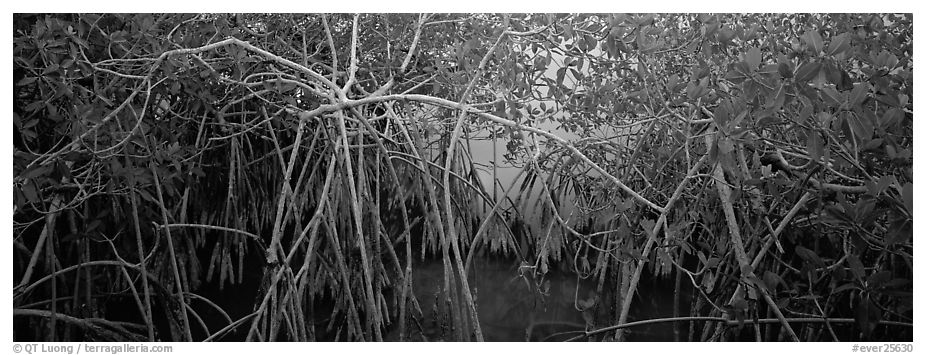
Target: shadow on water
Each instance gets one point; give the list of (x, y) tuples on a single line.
[(512, 306)]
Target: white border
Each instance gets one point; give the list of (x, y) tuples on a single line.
[(468, 6)]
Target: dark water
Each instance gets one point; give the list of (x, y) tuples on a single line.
[(513, 307), (510, 307)]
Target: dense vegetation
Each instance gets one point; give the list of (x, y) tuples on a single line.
[(763, 162)]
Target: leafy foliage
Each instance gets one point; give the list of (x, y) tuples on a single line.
[(765, 158)]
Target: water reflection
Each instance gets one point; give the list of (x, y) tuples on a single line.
[(513, 306)]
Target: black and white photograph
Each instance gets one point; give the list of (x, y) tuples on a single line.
[(461, 177)]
